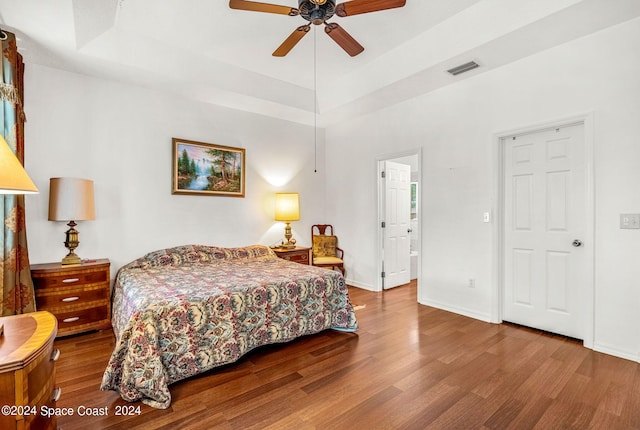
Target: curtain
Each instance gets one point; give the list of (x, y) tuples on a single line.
[(16, 287)]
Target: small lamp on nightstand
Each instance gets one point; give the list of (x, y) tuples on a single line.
[(287, 210), (71, 199)]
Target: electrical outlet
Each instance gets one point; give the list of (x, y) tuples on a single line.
[(472, 283), (630, 221)]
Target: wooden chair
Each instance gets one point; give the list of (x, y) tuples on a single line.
[(325, 252)]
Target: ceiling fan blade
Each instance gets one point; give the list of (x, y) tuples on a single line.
[(263, 7), (291, 41), (342, 38), (355, 7)]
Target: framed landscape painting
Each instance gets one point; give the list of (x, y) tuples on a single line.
[(207, 169)]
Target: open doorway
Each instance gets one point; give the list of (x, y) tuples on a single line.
[(399, 240)]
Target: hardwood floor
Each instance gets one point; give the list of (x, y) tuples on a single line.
[(408, 367)]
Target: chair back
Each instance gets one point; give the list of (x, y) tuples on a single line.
[(325, 250), (325, 229)]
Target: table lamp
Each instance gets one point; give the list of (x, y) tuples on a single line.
[(71, 199), (287, 210)]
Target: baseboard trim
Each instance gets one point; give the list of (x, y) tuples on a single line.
[(458, 310), (357, 284), (611, 350)]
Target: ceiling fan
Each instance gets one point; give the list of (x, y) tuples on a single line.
[(318, 12)]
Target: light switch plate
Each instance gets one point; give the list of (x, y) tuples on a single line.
[(631, 221)]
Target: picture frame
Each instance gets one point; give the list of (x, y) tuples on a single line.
[(207, 169)]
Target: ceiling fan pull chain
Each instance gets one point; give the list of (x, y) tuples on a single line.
[(315, 104)]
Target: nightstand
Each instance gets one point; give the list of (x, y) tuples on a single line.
[(299, 254), (78, 295), (27, 371)]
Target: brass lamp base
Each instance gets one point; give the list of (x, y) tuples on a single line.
[(71, 258), (290, 242), (71, 243)]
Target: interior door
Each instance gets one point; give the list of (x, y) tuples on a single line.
[(396, 240), (545, 223)]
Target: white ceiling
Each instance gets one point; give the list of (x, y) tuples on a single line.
[(201, 49)]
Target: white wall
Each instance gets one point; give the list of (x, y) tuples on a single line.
[(120, 137), (456, 126)]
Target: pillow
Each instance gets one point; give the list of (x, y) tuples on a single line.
[(190, 254), (324, 246), (250, 252)]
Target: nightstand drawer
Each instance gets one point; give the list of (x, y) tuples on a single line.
[(70, 279), (302, 258), (72, 320), (298, 254), (68, 297), (40, 378), (41, 421)]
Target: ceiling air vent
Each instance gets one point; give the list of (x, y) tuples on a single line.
[(463, 68)]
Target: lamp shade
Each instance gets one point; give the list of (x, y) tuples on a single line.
[(287, 207), (71, 199), (13, 177)]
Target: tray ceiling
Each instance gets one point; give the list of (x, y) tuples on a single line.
[(203, 50)]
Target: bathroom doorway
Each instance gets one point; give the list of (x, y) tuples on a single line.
[(412, 159)]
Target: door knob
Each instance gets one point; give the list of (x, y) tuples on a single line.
[(409, 230), (577, 243)]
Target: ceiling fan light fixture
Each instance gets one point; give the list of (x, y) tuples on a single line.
[(316, 13), (317, 16)]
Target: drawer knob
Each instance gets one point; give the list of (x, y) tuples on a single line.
[(56, 394), (70, 320), (70, 299), (70, 280), (55, 355)]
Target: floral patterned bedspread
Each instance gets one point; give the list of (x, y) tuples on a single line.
[(181, 311)]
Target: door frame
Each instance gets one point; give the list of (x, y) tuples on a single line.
[(381, 213), (498, 139)]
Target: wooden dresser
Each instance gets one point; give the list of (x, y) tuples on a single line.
[(27, 372), (298, 254), (78, 295)]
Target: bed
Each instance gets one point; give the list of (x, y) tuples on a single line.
[(181, 311)]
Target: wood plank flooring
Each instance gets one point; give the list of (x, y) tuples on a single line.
[(408, 367)]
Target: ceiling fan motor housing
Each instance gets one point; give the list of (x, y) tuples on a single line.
[(316, 11)]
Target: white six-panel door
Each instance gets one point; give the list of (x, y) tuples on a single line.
[(544, 229), (396, 240)]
